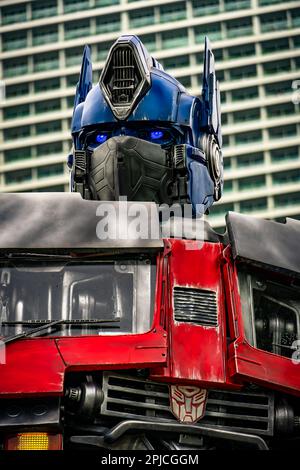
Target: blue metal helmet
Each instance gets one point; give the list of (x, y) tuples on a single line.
[(138, 133)]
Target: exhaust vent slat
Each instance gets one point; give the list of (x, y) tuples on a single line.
[(197, 306)]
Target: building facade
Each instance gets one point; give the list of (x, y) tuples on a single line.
[(257, 50)]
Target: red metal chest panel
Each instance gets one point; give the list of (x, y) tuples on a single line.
[(196, 352), (33, 367), (114, 351)]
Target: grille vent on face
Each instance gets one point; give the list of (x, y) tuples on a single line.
[(124, 76), (197, 306)]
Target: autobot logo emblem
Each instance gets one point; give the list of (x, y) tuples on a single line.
[(188, 403)]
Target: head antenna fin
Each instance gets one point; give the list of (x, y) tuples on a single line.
[(85, 78), (211, 116)]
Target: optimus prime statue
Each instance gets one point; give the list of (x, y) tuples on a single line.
[(139, 134), (155, 344)]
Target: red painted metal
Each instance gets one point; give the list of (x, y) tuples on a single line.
[(33, 367), (197, 353), (114, 352), (249, 364)]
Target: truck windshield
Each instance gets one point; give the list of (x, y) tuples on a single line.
[(271, 313), (92, 297)]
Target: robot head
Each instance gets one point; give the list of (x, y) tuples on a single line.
[(138, 133)]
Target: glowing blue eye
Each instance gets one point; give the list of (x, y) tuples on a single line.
[(100, 138), (156, 135)]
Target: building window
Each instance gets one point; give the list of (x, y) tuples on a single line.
[(231, 5), (239, 27), (102, 51), (296, 41), (227, 163), (286, 177), (275, 21), (277, 45), (295, 14), (70, 101), (74, 56), (223, 97), (285, 154), (106, 3), (268, 2), (16, 133), (14, 14), (173, 12), (253, 182), (49, 149), (15, 112), (140, 18), (15, 67), (47, 106), (277, 66), (177, 38), (176, 62), (47, 127), (75, 5), (72, 80), (108, 24), (43, 9), (77, 29), (278, 88), (50, 170), (205, 7), (238, 52), (228, 186), (45, 62), (246, 115), (243, 73), (17, 177), (13, 91), (221, 209), (283, 109), (284, 200), (15, 40), (254, 205), (185, 81), (44, 35), (283, 131), (248, 137), (41, 86), (212, 30), (242, 94), (297, 62), (15, 155), (250, 160), (149, 41)]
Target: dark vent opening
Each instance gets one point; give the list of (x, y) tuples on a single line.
[(197, 306), (123, 76)]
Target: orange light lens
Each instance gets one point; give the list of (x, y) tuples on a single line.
[(34, 441)]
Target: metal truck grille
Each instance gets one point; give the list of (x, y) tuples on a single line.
[(129, 397), (124, 76), (197, 306)]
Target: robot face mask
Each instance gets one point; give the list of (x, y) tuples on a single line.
[(131, 167)]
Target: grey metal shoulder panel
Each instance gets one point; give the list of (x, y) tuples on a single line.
[(265, 242), (65, 220)]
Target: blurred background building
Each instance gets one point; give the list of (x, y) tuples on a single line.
[(257, 50)]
